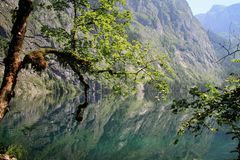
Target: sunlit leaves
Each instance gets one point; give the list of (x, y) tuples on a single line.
[(236, 60), (100, 36), (211, 107)]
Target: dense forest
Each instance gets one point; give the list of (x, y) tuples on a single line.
[(118, 79)]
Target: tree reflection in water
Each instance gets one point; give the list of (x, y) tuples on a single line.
[(112, 128)]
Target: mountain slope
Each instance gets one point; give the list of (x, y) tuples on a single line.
[(221, 19), (168, 25), (217, 41), (223, 26), (171, 27)]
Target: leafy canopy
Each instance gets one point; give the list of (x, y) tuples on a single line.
[(212, 108), (98, 35)]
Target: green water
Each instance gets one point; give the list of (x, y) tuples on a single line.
[(113, 129)]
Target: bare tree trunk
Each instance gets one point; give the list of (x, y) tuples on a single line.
[(13, 61)]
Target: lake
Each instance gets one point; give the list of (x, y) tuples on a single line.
[(113, 129)]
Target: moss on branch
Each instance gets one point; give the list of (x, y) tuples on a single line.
[(37, 59)]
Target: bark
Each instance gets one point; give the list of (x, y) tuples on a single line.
[(13, 61), (38, 62)]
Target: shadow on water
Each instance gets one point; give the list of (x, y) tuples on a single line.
[(112, 129)]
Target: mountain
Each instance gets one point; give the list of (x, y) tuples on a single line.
[(124, 129), (222, 19), (223, 26), (170, 26), (218, 42)]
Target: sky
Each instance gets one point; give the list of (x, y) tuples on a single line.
[(202, 6)]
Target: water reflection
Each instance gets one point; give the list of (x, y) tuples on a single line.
[(112, 129)]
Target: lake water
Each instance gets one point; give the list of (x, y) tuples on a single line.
[(112, 129)]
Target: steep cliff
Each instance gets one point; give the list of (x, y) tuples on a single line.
[(170, 26), (167, 24)]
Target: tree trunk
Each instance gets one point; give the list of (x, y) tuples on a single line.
[(13, 61)]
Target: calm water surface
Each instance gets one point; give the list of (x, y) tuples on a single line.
[(113, 129)]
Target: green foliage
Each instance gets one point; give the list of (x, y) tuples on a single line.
[(212, 108), (99, 35), (3, 45), (17, 151), (236, 60)]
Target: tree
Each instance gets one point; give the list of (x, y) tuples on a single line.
[(212, 108), (96, 47), (12, 61)]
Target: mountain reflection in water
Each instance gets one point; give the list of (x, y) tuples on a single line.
[(112, 129)]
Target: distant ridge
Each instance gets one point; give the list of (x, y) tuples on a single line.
[(217, 8), (221, 19)]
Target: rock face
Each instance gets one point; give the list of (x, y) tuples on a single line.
[(167, 24), (170, 27), (221, 18), (223, 25), (32, 83)]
